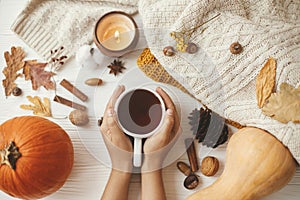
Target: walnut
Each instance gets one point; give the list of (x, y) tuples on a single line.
[(79, 118), (209, 166)]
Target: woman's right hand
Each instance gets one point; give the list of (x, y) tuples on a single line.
[(118, 144)]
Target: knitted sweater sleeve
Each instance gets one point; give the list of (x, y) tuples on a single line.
[(46, 24)]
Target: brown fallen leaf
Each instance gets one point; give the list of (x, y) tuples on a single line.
[(284, 105), (39, 108), (14, 63), (35, 71), (265, 82)]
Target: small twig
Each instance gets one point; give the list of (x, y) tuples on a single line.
[(196, 27)]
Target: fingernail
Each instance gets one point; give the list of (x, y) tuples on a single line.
[(170, 111), (110, 113)]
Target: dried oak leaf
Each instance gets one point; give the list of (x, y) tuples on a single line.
[(39, 108), (284, 105), (35, 72), (14, 63), (265, 82)]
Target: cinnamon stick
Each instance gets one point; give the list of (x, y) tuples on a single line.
[(69, 103), (191, 152), (71, 88)]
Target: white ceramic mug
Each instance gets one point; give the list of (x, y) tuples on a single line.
[(131, 107)]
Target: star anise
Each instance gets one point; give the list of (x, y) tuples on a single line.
[(116, 67)]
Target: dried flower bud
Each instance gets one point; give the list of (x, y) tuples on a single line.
[(62, 57)]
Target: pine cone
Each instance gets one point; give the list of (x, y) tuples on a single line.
[(194, 120), (205, 116), (208, 127)]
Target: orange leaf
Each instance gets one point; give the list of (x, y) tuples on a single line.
[(35, 71), (265, 82)]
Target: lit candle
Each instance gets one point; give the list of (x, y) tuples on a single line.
[(115, 33), (117, 36)]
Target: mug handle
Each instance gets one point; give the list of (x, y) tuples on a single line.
[(137, 152)]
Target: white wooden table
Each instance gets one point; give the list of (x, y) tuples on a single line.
[(89, 175)]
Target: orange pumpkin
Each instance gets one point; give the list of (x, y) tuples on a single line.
[(36, 157)]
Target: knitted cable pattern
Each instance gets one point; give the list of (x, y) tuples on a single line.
[(221, 80)]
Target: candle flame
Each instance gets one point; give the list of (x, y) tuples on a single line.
[(117, 36)]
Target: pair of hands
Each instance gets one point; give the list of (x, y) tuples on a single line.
[(155, 147)]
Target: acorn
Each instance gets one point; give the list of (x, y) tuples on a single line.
[(169, 51), (17, 91), (236, 48), (192, 48), (191, 182), (93, 82)]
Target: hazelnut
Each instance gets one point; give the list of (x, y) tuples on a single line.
[(169, 51), (16, 91), (236, 48), (78, 118), (192, 48), (209, 166)]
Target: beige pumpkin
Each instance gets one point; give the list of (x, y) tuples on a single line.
[(257, 164)]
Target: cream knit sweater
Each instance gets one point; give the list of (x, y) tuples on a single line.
[(221, 80)]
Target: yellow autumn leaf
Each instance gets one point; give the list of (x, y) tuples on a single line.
[(39, 108)]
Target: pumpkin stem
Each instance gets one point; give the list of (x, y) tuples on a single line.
[(9, 155)]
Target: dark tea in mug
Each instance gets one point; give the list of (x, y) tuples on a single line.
[(140, 111)]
